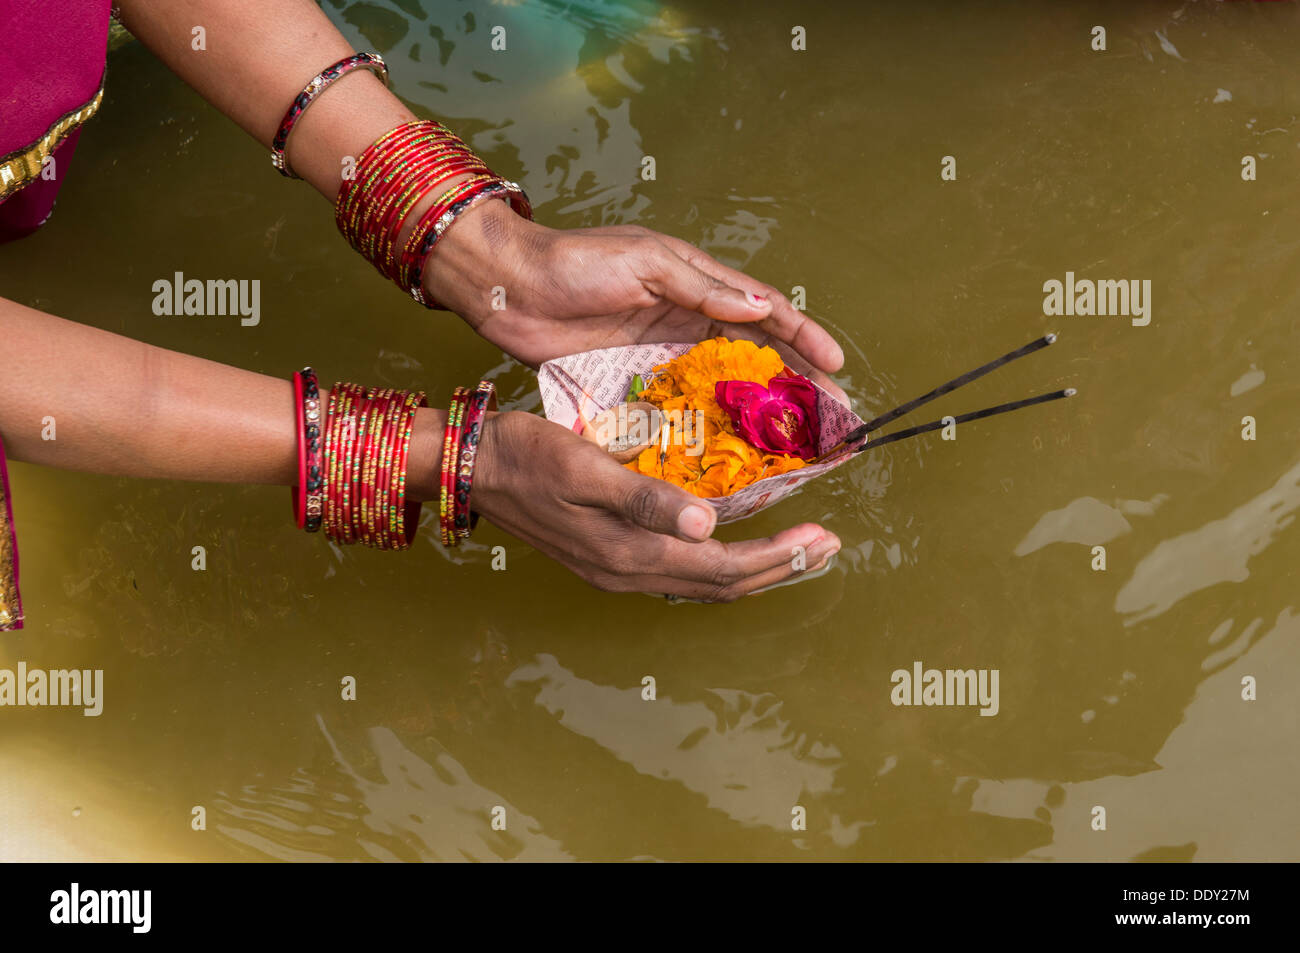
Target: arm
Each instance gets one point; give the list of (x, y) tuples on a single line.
[(567, 291), (127, 408)]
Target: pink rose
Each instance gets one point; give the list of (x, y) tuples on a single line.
[(779, 418)]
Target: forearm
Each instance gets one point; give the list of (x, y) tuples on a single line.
[(259, 55), (117, 406)]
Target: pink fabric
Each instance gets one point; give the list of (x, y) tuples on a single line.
[(52, 55), (28, 208)]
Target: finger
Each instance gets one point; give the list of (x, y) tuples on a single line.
[(667, 275), (786, 322), (656, 505), (725, 564), (728, 591)]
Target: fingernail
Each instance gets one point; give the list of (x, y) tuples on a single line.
[(755, 301), (826, 556), (695, 522)]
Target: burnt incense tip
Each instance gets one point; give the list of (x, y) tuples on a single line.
[(1050, 337), (1070, 392)]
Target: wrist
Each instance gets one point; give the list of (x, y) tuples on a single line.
[(488, 247), (424, 463), (490, 469)]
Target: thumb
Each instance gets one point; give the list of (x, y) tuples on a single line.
[(653, 504), (669, 276)]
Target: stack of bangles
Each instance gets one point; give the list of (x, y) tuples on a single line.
[(394, 175), (352, 455)]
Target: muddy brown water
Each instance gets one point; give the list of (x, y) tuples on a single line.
[(522, 689)]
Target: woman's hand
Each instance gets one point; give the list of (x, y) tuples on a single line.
[(618, 530), (539, 293)]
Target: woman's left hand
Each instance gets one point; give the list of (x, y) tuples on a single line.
[(539, 293)]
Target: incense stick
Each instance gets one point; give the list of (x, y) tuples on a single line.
[(963, 418), (949, 387), (860, 432)]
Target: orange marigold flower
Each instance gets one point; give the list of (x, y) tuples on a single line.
[(711, 461)]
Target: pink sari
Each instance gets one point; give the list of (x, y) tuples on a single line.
[(52, 56)]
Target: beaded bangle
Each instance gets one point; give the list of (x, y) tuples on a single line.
[(438, 214), (308, 504), (370, 61), (415, 192), (415, 256), (464, 519)]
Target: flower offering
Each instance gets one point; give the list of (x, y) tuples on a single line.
[(732, 415), (726, 420)]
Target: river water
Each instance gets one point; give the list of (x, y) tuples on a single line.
[(521, 691)]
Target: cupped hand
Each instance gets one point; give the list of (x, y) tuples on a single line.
[(618, 530), (539, 293)]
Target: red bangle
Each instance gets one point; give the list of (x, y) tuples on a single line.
[(450, 450), (356, 485), (352, 403), (363, 480), (307, 498), (391, 225), (393, 176), (296, 492), (383, 470), (380, 166), (375, 489), (332, 461), (483, 399), (367, 436), (423, 171), (431, 229), (370, 61), (407, 511)]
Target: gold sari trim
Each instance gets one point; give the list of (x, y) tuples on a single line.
[(22, 166), (11, 610)]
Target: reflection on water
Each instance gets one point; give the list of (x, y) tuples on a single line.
[(1208, 794), (412, 809), (738, 752), (522, 690), (1219, 551)]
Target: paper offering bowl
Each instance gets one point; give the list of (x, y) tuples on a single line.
[(577, 387)]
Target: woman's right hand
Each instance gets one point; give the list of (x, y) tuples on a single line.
[(619, 530)]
